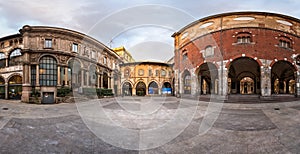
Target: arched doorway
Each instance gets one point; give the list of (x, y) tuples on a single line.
[(186, 82), (127, 89), (247, 85), (208, 79), (15, 87), (141, 89), (244, 76), (167, 88), (2, 88), (283, 78), (153, 88)]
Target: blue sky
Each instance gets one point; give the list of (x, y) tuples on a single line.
[(144, 27)]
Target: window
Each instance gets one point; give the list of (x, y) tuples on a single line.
[(48, 71), (2, 56), (105, 60), (33, 75), (156, 72), (284, 44), (184, 56), (141, 72), (243, 37), (2, 45), (15, 53), (163, 73), (150, 72), (75, 47), (2, 60), (209, 51), (93, 54), (126, 72), (48, 43), (187, 83)]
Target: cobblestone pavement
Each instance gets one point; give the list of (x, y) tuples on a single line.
[(239, 128)]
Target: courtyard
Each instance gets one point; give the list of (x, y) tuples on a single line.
[(149, 125)]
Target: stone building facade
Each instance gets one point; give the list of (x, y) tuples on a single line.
[(45, 59), (146, 78), (247, 53)]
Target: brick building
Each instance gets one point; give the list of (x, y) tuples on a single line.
[(245, 53)]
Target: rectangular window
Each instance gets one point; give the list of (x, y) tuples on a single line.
[(75, 47), (93, 54), (33, 75), (156, 72), (163, 73), (105, 60), (48, 43), (150, 72), (141, 72)]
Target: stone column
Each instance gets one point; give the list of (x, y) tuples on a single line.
[(298, 82), (265, 81), (193, 82), (67, 77), (26, 87), (87, 78), (6, 62), (82, 77), (223, 81), (37, 82), (98, 81), (6, 91), (58, 76)]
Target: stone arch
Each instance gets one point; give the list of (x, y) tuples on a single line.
[(74, 72), (15, 86), (153, 88), (207, 78), (282, 73), (233, 58), (239, 70), (140, 88), (127, 88)]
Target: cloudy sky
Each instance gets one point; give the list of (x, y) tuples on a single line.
[(144, 27)]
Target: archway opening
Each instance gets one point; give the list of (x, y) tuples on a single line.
[(141, 89), (153, 88), (15, 87), (2, 88), (283, 78), (247, 85), (244, 76), (127, 89), (208, 79), (167, 88)]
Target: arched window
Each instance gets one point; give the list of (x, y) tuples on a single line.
[(48, 71), (285, 42), (187, 82), (2, 60), (14, 57)]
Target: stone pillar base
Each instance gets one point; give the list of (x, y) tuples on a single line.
[(26, 92)]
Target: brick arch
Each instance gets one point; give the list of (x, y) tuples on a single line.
[(198, 67), (292, 63), (239, 56)]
